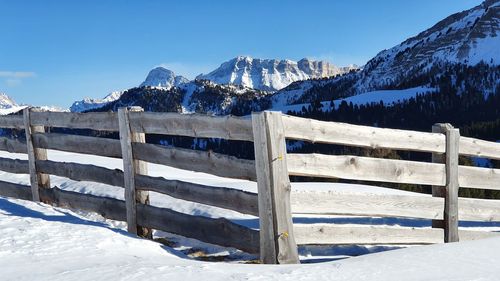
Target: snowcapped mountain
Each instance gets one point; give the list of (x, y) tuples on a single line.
[(6, 101), (8, 105), (90, 103), (270, 74), (162, 77), (468, 41)]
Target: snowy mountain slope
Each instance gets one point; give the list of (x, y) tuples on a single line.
[(270, 74), (469, 38), (90, 103), (387, 97), (162, 77), (8, 105)]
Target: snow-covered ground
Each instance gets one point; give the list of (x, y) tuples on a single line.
[(39, 242)]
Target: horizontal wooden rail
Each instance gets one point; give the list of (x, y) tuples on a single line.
[(12, 122), (479, 148), (12, 145), (199, 161), (387, 205), (14, 166), (15, 190), (215, 231), (192, 125), (361, 136), (81, 172), (79, 144), (101, 121), (222, 197), (388, 170), (337, 203), (318, 234)]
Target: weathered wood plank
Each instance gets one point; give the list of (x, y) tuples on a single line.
[(12, 145), (476, 177), (215, 231), (12, 121), (361, 136), (38, 180), (438, 191), (79, 144), (109, 208), (140, 168), (192, 125), (365, 168), (199, 161), (128, 170), (270, 154), (451, 196), (81, 172), (318, 234), (227, 198), (14, 190), (15, 166), (268, 247), (478, 209), (479, 148), (342, 203), (104, 121)]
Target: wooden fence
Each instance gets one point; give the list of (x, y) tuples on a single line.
[(276, 240)]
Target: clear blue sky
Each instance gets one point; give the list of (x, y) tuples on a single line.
[(55, 52)]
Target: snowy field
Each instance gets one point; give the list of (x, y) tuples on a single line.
[(39, 242)]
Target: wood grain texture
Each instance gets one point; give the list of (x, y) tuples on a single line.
[(479, 148), (192, 125), (365, 168), (451, 197), (321, 234), (12, 145), (38, 180), (199, 161), (438, 191), (128, 170), (79, 144), (277, 182), (227, 198), (366, 204), (82, 172), (215, 231), (268, 248), (105, 121), (361, 136)]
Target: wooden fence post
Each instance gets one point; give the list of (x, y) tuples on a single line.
[(37, 180), (277, 242), (130, 168), (450, 190)]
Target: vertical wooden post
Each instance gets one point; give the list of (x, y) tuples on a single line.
[(438, 191), (451, 197), (277, 243), (130, 168), (450, 190), (37, 180)]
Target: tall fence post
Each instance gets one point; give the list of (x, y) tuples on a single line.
[(130, 168), (37, 180), (450, 190), (277, 242)]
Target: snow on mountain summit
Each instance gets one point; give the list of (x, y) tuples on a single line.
[(6, 101), (162, 77), (270, 74)]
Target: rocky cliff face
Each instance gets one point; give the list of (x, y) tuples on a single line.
[(270, 74)]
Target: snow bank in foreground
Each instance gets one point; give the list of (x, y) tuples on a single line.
[(39, 242)]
